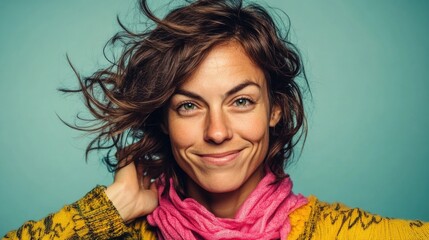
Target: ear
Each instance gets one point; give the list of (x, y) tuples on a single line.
[(275, 115)]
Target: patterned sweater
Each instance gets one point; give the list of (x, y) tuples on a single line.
[(95, 217)]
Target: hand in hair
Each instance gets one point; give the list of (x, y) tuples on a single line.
[(131, 196)]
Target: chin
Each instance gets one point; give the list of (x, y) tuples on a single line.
[(222, 184), (221, 189)]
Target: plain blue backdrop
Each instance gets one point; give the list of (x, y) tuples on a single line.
[(367, 63)]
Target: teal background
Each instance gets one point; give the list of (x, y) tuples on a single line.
[(367, 63)]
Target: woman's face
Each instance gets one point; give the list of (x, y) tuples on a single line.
[(219, 119)]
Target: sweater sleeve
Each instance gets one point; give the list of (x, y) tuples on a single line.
[(337, 221), (92, 217)]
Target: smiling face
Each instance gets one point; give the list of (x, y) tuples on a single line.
[(218, 122)]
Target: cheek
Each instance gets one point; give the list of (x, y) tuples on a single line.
[(253, 128), (182, 134)]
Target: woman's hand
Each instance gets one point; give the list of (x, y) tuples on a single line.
[(132, 195)]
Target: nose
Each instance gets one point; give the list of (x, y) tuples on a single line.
[(217, 128)]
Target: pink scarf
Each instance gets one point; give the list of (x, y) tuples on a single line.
[(264, 214)]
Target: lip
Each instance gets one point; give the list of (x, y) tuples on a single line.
[(220, 158)]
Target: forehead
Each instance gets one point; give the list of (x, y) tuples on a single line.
[(225, 64)]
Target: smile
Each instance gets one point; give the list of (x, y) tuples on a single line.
[(220, 158)]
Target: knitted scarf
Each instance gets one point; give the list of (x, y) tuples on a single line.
[(263, 215)]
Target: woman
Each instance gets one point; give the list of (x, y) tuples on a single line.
[(210, 101)]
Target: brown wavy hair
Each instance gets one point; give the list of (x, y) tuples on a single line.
[(128, 98)]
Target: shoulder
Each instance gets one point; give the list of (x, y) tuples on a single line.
[(321, 220), (144, 230)]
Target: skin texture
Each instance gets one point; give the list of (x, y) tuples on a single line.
[(218, 123)]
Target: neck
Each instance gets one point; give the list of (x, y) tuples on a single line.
[(226, 204)]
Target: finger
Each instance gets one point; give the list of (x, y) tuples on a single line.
[(126, 173), (153, 187), (146, 182)]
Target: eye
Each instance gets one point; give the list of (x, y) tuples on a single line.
[(186, 107), (243, 102)]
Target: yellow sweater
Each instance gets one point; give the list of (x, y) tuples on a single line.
[(94, 217)]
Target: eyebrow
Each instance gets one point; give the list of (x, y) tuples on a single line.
[(230, 92)]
